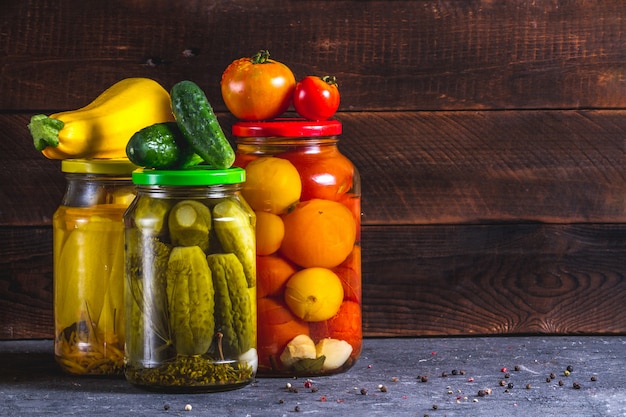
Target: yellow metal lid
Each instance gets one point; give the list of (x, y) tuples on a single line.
[(120, 166)]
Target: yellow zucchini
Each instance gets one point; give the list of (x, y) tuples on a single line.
[(102, 128)]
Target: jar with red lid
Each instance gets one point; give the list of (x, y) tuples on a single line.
[(307, 199)]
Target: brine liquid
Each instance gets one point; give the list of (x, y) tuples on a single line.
[(89, 289)]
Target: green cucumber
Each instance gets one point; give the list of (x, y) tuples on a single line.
[(196, 120), (161, 145)]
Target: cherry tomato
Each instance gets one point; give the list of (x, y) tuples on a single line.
[(316, 98), (257, 88)]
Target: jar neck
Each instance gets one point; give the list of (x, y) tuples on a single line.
[(86, 190), (213, 191), (276, 145)]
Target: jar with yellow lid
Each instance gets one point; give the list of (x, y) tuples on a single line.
[(88, 256), (307, 198), (190, 281)]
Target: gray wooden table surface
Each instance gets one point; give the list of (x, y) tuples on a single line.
[(394, 377)]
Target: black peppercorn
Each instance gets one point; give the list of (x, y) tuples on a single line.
[(481, 393), (552, 375), (594, 378), (561, 383), (462, 372), (454, 372), (507, 375), (444, 374), (528, 386), (517, 368), (424, 378), (502, 382), (570, 368), (363, 391), (296, 408), (435, 406), (576, 385), (510, 385)]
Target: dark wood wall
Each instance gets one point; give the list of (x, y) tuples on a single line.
[(490, 136)]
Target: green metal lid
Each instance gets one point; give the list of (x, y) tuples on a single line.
[(196, 176), (121, 166)]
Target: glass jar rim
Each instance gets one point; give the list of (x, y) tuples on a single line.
[(288, 127), (195, 176)]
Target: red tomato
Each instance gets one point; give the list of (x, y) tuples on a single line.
[(316, 98), (257, 88), (327, 174)]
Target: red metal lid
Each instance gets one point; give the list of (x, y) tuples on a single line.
[(287, 127)]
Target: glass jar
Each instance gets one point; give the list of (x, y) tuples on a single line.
[(190, 281), (307, 198), (88, 256)]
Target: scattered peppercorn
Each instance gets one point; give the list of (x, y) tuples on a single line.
[(481, 393), (382, 388), (462, 372), (166, 407), (507, 375), (315, 389), (188, 407), (576, 385), (394, 379), (517, 368), (561, 383), (510, 385), (502, 382), (566, 373), (528, 386), (503, 370), (454, 372), (281, 401), (444, 374), (435, 406), (296, 408), (424, 378), (308, 383), (363, 391), (570, 368), (594, 378)]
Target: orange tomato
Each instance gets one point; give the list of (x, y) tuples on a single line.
[(269, 232), (325, 174), (257, 88), (318, 233), (353, 202), (345, 325), (276, 326), (272, 274), (349, 272)]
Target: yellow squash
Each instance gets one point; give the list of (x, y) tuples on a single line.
[(102, 128)]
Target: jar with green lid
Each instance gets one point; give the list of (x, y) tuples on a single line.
[(307, 199), (88, 256), (190, 281)]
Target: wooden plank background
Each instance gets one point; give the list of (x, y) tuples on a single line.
[(490, 137)]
